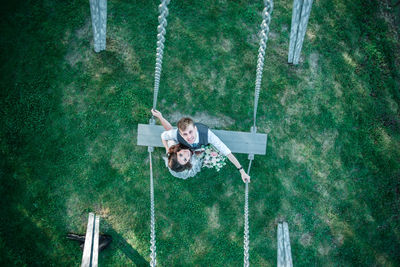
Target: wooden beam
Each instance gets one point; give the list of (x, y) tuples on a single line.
[(91, 248), (296, 12), (286, 241), (95, 253), (284, 258), (87, 250), (98, 11), (300, 15), (305, 14), (281, 247)]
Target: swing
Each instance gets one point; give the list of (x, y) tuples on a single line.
[(252, 143)]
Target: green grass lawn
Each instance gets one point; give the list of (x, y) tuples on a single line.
[(69, 122)]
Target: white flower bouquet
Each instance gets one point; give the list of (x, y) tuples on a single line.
[(212, 158)]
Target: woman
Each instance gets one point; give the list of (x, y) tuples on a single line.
[(182, 162)]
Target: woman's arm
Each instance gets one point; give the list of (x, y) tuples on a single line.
[(167, 126)]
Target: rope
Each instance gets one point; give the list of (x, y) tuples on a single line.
[(260, 65), (152, 220), (246, 222), (246, 226), (269, 4), (162, 19)]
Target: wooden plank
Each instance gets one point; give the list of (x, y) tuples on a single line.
[(281, 248), (286, 241), (87, 250), (95, 253), (237, 142)]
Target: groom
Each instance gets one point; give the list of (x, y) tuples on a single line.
[(194, 135)]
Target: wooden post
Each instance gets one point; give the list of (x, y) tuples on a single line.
[(300, 16), (284, 251), (286, 241), (281, 247), (305, 14), (294, 27), (103, 23), (91, 247), (98, 11)]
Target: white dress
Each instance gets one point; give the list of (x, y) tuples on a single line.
[(195, 160)]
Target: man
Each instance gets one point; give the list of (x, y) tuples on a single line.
[(194, 135)]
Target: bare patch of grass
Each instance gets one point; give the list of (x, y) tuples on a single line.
[(73, 41), (202, 117), (226, 45), (213, 217), (324, 249), (121, 156), (229, 189), (306, 239), (124, 51), (200, 246)]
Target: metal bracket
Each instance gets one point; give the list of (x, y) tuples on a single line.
[(253, 130), (152, 121)]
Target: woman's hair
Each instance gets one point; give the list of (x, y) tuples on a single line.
[(173, 163)]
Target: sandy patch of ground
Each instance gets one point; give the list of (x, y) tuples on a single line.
[(306, 239), (213, 216), (73, 56), (202, 117)]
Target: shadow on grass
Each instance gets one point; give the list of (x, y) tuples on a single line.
[(23, 240), (120, 243)]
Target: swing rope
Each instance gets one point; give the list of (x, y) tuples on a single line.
[(260, 65), (162, 20), (152, 218), (269, 5)]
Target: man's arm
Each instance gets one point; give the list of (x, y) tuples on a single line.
[(233, 159), (218, 144)]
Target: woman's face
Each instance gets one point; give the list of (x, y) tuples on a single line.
[(184, 156)]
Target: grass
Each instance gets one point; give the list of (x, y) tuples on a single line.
[(69, 123)]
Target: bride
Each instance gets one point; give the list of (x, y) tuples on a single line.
[(193, 137), (181, 161)]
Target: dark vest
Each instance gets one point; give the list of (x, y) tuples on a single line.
[(203, 137)]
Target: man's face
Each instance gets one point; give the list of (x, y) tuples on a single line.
[(189, 134)]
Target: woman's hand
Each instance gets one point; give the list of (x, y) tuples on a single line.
[(245, 176), (156, 113)]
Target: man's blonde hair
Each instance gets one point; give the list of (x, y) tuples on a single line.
[(184, 123)]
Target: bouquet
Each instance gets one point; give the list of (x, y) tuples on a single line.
[(212, 158)]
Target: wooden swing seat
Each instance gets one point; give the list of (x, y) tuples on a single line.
[(237, 142)]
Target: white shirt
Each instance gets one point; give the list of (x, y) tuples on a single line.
[(212, 139)]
